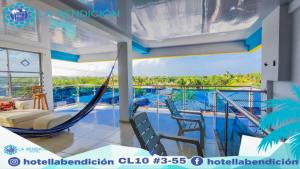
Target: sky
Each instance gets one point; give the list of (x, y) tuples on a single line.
[(242, 63)]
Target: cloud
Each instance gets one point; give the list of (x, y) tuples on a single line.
[(63, 68), (182, 66)]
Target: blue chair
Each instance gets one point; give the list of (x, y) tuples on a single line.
[(187, 124), (150, 141)]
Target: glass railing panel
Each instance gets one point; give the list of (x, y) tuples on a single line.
[(249, 100), (221, 120), (187, 98), (258, 97), (178, 98), (148, 94), (64, 95), (155, 96), (240, 97), (57, 95), (230, 130), (86, 93), (199, 99), (115, 95), (240, 126), (166, 92), (110, 96)]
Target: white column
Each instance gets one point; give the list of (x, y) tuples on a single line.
[(47, 78), (125, 79)]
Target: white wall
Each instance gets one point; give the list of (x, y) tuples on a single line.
[(276, 42), (282, 45), (281, 42), (296, 47), (42, 47)]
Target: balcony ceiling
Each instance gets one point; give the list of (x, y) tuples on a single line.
[(159, 20), (155, 24), (166, 23), (73, 36)]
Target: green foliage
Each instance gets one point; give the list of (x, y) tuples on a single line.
[(251, 79)]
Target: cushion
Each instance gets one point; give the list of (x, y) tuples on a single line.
[(24, 105), (50, 121), (7, 105), (16, 116)]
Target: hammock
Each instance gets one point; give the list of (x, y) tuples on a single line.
[(72, 121)]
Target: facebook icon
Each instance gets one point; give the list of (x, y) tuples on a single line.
[(197, 161)]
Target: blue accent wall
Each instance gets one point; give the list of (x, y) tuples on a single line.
[(254, 40), (57, 55)]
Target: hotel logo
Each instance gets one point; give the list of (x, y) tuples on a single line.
[(19, 15), (10, 149)]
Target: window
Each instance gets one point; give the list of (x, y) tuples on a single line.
[(19, 71)]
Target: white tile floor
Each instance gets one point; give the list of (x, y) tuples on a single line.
[(88, 136)]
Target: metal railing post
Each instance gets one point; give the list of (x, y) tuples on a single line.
[(157, 98), (157, 107), (251, 95), (215, 102), (113, 91), (226, 128), (183, 97), (113, 96), (133, 92), (78, 94), (62, 93)]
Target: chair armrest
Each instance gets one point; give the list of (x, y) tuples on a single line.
[(186, 119), (201, 120), (191, 112), (185, 140)]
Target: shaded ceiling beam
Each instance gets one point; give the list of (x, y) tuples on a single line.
[(195, 50)]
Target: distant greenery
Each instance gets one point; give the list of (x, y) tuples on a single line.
[(251, 79)]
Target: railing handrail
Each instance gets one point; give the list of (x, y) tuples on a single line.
[(177, 86), (242, 110), (161, 85)]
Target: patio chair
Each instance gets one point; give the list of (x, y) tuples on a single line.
[(187, 124), (150, 141)]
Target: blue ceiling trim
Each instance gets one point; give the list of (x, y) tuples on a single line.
[(254, 40), (105, 5), (136, 47), (57, 55)]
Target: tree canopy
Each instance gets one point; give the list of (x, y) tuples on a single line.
[(227, 79)]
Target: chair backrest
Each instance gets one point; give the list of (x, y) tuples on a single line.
[(146, 135), (174, 112), (37, 89), (171, 106), (133, 109)]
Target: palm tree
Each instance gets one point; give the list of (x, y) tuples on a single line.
[(181, 82), (285, 122)]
